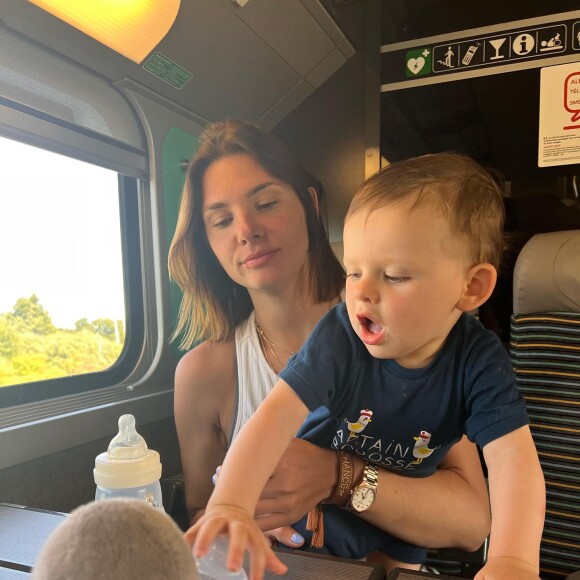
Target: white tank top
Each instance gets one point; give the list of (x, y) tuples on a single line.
[(255, 377)]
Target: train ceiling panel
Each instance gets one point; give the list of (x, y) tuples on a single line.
[(257, 62)]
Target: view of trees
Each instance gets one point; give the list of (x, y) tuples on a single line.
[(33, 349)]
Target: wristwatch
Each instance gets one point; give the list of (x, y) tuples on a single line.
[(365, 493)]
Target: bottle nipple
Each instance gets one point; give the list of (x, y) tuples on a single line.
[(127, 444), (128, 463)]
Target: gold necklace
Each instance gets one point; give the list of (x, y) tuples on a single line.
[(267, 344)]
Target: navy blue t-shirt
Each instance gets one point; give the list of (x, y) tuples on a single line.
[(401, 419)]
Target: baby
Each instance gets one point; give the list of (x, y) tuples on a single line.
[(398, 374)]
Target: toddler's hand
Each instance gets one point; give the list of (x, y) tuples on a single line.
[(243, 534), (505, 568)]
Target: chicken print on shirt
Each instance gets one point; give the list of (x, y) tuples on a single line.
[(358, 427), (421, 450)]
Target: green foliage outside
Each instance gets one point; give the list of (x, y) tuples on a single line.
[(33, 349)]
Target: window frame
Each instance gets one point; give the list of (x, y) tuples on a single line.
[(31, 430)]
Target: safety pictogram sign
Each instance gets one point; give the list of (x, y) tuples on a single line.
[(469, 55)]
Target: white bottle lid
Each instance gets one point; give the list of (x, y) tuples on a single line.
[(127, 462)]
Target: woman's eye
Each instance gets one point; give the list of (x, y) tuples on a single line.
[(222, 223), (353, 275), (267, 205)]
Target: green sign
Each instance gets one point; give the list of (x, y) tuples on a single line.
[(418, 62), (165, 69), (178, 146)]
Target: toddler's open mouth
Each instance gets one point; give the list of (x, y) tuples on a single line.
[(371, 332)]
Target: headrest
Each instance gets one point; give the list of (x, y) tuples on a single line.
[(547, 274)]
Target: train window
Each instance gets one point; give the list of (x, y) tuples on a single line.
[(65, 238), (63, 286)]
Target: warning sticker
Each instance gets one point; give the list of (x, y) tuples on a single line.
[(559, 134), (165, 69)]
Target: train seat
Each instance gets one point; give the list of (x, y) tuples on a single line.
[(545, 351)]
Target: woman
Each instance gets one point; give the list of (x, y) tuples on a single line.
[(251, 255)]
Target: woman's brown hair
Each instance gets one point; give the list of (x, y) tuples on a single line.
[(213, 304)]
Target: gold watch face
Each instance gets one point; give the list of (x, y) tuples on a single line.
[(362, 499)]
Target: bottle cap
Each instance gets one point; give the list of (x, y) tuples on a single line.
[(127, 462)]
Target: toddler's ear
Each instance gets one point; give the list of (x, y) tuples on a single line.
[(481, 280)]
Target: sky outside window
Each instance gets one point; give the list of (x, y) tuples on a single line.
[(60, 235)]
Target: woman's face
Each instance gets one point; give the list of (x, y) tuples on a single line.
[(255, 224)]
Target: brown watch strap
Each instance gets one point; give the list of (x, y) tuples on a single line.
[(341, 492)]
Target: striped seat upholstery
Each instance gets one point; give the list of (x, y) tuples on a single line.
[(545, 350), (546, 357)]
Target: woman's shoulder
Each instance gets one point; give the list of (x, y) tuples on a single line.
[(204, 395), (207, 364)]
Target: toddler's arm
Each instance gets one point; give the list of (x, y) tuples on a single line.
[(247, 466), (518, 503)]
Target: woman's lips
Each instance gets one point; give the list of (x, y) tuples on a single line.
[(256, 260), (371, 333)]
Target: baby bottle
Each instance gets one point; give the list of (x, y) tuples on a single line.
[(128, 468), (213, 565)]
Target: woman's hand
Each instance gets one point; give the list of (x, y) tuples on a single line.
[(505, 568), (286, 535), (243, 534), (304, 476)]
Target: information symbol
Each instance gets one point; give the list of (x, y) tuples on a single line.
[(523, 44)]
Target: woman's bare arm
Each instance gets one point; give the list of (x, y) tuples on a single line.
[(203, 404), (450, 508)]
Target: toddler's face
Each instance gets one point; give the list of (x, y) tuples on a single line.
[(405, 274)]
